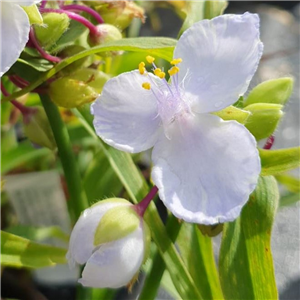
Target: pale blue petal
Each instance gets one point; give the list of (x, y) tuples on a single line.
[(114, 264), (220, 57), (14, 34), (126, 115), (208, 169), (81, 244)]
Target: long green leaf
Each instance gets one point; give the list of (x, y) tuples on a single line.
[(156, 46), (137, 188), (20, 252), (274, 162), (246, 265), (197, 252), (38, 234), (22, 154)]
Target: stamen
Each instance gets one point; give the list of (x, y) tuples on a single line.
[(146, 85), (174, 70), (150, 59), (176, 61), (142, 68)]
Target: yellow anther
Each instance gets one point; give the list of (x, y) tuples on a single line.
[(142, 67), (146, 85), (174, 70), (150, 59), (157, 71), (161, 75), (176, 61)]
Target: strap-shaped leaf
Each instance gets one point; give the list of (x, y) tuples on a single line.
[(20, 252), (246, 264)]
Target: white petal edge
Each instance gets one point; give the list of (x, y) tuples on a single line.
[(126, 115), (23, 2), (14, 34), (207, 171), (81, 245), (114, 264), (220, 57)]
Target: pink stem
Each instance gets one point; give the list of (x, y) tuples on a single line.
[(22, 108), (76, 17), (142, 206), (269, 143), (79, 8), (43, 4), (43, 53), (18, 81)]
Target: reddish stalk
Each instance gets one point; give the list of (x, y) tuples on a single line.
[(141, 207), (39, 48), (25, 111), (82, 8), (92, 28), (269, 143), (18, 81)]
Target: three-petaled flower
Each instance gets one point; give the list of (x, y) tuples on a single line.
[(205, 168), (15, 29)]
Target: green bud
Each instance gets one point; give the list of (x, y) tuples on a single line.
[(276, 91), (54, 27), (38, 130), (119, 13), (69, 93), (264, 119), (116, 223), (233, 113), (106, 33), (33, 14), (94, 78)]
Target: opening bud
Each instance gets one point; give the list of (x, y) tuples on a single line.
[(113, 241)]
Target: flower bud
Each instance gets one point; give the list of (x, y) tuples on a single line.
[(53, 28), (113, 241), (106, 33), (38, 130), (264, 119), (68, 92), (119, 13)]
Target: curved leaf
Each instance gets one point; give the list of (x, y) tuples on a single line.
[(246, 264)]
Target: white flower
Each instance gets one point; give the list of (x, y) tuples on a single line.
[(15, 29), (112, 240), (205, 168)]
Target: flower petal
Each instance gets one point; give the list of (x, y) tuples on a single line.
[(207, 170), (27, 2), (126, 114), (82, 238), (114, 264), (15, 32), (220, 57)]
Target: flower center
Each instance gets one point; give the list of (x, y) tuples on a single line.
[(170, 96)]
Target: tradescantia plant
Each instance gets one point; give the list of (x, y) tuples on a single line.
[(206, 165)]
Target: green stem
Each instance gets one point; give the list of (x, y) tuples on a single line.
[(68, 161), (152, 281)]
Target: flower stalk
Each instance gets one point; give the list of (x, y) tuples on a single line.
[(69, 164), (141, 207), (82, 8), (92, 28)]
